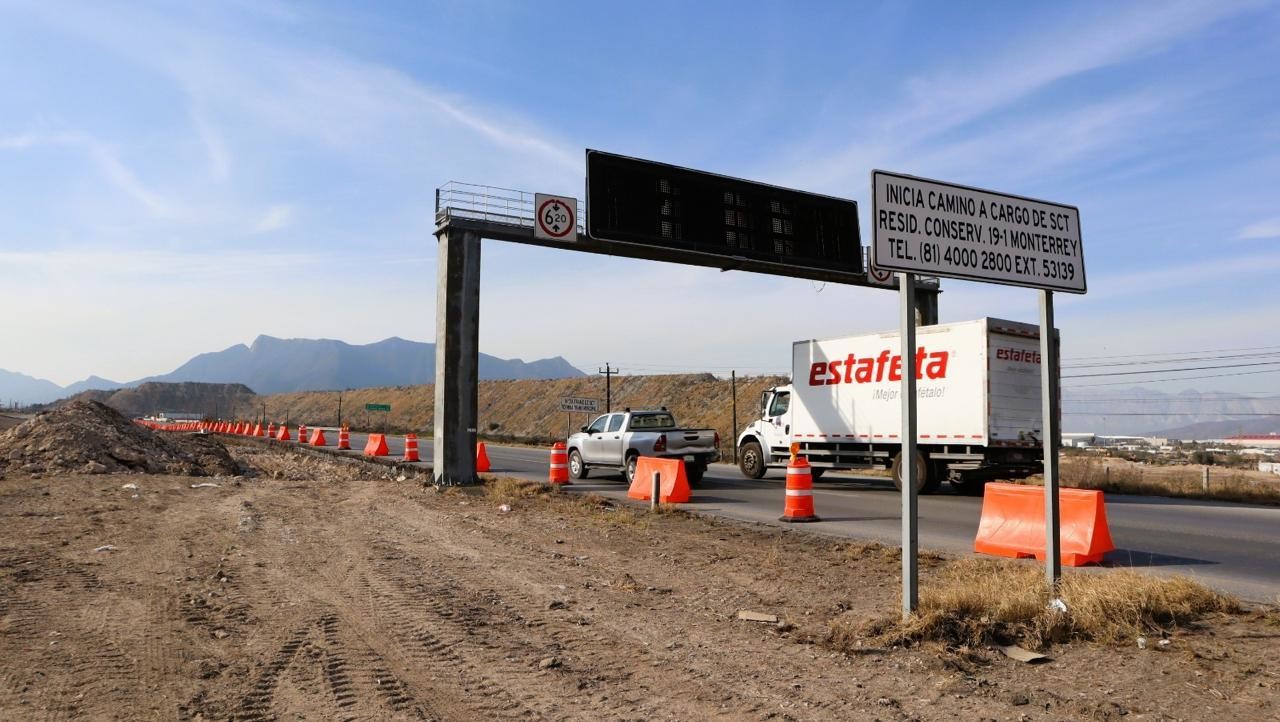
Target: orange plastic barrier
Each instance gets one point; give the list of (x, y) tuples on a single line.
[(271, 430), (317, 438), (559, 473), (411, 448), (344, 439), (257, 430), (482, 458), (302, 433), (799, 504), (376, 446), (283, 433), (674, 484), (1013, 524)]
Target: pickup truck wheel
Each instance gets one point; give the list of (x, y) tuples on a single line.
[(577, 469), (693, 473), (923, 477), (629, 473), (751, 461)]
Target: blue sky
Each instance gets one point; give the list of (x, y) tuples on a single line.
[(180, 177)]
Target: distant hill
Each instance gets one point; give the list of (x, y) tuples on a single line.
[(274, 365), (1223, 429), (1183, 415), (26, 389), (197, 398)]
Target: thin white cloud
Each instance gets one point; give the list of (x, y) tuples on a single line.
[(1269, 228), (277, 217), (214, 145), (949, 99), (108, 163)]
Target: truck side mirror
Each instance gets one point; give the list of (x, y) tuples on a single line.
[(583, 429)]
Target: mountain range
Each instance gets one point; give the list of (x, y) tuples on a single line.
[(273, 365)]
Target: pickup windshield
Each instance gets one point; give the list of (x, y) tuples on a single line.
[(652, 421)]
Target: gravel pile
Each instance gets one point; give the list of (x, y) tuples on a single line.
[(93, 438)]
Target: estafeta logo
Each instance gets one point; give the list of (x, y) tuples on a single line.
[(874, 369), (1017, 354)]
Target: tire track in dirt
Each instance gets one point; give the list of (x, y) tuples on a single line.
[(256, 704), (97, 670), (591, 669), (721, 679)]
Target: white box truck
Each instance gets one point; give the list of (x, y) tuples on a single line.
[(978, 411)]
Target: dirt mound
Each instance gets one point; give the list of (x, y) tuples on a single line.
[(91, 437)]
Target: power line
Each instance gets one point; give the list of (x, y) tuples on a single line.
[(1170, 361), (1174, 353), (1165, 371), (1157, 413), (1177, 378)]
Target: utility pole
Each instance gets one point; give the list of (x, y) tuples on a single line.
[(339, 409), (733, 388), (608, 385)]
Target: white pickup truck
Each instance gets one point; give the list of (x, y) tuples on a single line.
[(614, 441)]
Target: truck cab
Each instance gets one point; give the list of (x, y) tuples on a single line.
[(768, 438)]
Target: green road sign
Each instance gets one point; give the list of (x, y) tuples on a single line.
[(377, 407)]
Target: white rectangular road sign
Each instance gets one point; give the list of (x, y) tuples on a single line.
[(571, 403), (942, 229)]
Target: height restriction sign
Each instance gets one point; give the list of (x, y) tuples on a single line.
[(555, 217)]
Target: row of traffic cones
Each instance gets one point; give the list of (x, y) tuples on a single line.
[(797, 508)]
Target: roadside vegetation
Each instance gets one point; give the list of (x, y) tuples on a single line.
[(528, 412), (1120, 476), (962, 607)]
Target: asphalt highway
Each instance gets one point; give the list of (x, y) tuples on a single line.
[(1232, 547)]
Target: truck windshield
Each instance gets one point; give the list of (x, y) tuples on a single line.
[(652, 421), (780, 404)]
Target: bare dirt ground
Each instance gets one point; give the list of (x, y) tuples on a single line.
[(315, 590)]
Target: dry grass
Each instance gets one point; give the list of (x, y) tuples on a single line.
[(1174, 481), (861, 550), (973, 602), (505, 489)]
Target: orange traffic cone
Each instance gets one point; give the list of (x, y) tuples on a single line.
[(302, 433), (317, 438), (799, 506), (283, 433), (271, 430), (344, 439), (559, 464), (411, 448), (482, 458)]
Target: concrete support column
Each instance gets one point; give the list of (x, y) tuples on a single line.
[(457, 358)]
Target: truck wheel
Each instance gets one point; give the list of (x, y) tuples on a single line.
[(923, 477), (629, 472), (751, 460), (693, 473), (577, 469)]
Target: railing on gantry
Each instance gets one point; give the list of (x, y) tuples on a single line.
[(515, 208), (490, 204)]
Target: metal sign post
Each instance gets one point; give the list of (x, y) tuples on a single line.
[(907, 466), (954, 231), (1049, 406)]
